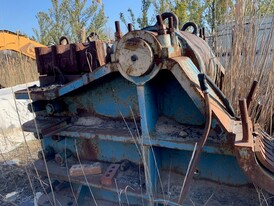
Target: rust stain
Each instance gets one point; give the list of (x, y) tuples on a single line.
[(133, 44), (87, 149), (247, 153)]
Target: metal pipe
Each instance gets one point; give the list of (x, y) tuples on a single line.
[(245, 120), (130, 27), (221, 95), (117, 26), (251, 93), (200, 33), (203, 33), (170, 25), (118, 33), (202, 142), (160, 23)]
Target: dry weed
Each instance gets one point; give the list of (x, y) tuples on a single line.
[(246, 49), (16, 69)]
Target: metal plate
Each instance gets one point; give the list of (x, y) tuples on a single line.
[(135, 57)]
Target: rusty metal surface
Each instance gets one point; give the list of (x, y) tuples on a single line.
[(45, 58), (118, 33), (110, 173), (88, 150), (153, 48), (55, 90), (247, 161), (45, 125), (66, 60), (71, 58), (246, 121), (264, 149), (86, 132), (149, 37), (247, 156), (201, 54), (91, 55), (248, 152), (136, 57)]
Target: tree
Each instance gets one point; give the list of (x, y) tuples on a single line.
[(216, 12), (208, 13), (132, 18), (141, 21), (266, 7), (92, 18), (161, 6), (180, 9), (189, 10), (69, 18), (52, 25), (186, 10)]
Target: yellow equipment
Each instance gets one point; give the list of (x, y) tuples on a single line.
[(19, 43)]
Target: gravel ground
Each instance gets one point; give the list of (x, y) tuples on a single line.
[(15, 178)]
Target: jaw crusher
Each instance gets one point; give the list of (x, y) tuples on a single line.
[(142, 120)]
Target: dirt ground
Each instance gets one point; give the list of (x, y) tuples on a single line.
[(15, 176)]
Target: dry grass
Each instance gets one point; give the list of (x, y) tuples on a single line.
[(16, 69), (250, 58), (13, 177)]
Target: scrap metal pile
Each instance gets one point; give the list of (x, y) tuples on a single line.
[(141, 120)]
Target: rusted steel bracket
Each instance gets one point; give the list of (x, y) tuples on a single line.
[(246, 157), (246, 121), (248, 151), (118, 33), (264, 148), (46, 126)]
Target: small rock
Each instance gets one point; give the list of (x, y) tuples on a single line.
[(12, 162), (36, 198), (10, 197), (182, 134)]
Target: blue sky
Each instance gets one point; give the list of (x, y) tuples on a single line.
[(20, 14)]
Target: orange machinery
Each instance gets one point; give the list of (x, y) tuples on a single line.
[(18, 42)]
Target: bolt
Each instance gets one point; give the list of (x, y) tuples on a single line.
[(134, 58), (50, 108), (170, 25), (130, 27), (160, 22), (118, 33)]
